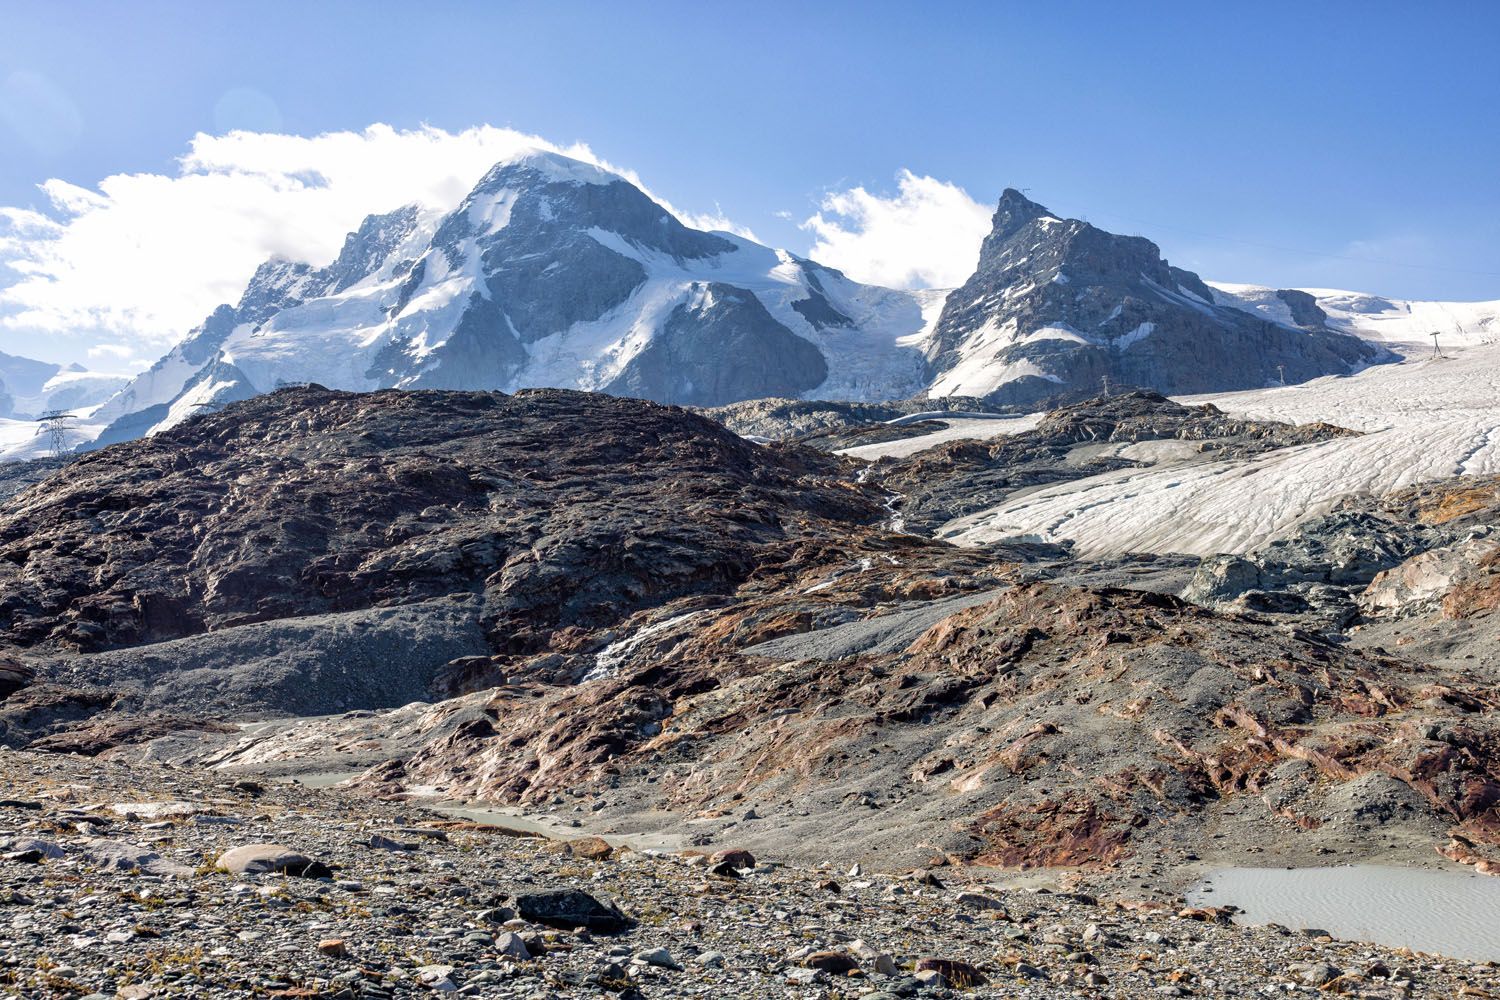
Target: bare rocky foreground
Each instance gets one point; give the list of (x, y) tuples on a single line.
[(112, 884), (624, 614)]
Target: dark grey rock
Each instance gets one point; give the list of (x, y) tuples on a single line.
[(570, 908)]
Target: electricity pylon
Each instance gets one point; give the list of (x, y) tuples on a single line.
[(55, 424)]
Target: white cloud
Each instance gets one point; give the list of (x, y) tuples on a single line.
[(715, 221), (926, 235), (141, 259)]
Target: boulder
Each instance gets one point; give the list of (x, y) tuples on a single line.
[(570, 908), (736, 857), (836, 963), (262, 859), (42, 849), (590, 848), (13, 677), (954, 972), (510, 945), (659, 957), (118, 856)]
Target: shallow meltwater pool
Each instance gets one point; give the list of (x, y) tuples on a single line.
[(1447, 912)]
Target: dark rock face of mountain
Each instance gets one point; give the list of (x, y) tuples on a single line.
[(1057, 305), (555, 509), (685, 362), (368, 247)]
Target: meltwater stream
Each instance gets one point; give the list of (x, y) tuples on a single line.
[(1450, 913)]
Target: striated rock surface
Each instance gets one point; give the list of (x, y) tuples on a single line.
[(1057, 306)]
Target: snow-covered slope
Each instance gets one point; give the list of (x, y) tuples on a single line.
[(551, 272), (956, 428), (26, 439), (1403, 325), (29, 388), (1425, 419)]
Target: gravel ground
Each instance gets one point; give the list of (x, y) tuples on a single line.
[(110, 887)]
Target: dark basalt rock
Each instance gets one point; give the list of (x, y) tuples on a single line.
[(571, 908), (725, 348), (13, 677)]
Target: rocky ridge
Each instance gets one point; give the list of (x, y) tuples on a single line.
[(766, 656), (943, 483)]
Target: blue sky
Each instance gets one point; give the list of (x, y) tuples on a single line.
[(1331, 144)]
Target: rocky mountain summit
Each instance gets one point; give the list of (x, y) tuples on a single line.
[(1058, 306)]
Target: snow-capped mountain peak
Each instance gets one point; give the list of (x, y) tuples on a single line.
[(1058, 308), (551, 271)]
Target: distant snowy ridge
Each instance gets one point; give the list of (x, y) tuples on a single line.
[(1058, 309), (1403, 325), (29, 389)]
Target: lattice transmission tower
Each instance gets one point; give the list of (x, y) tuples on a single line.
[(55, 424)]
